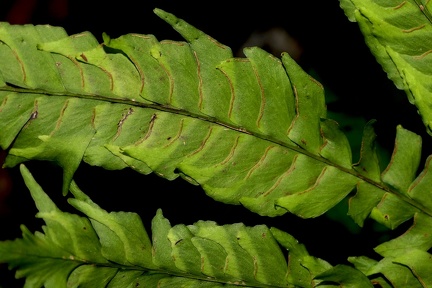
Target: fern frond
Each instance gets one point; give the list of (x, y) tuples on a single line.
[(112, 249), (398, 35), (250, 131)]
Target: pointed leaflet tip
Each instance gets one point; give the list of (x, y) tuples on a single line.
[(106, 38), (42, 201), (78, 193), (168, 17), (349, 9), (188, 32)]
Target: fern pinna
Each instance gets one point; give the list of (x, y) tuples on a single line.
[(250, 131)]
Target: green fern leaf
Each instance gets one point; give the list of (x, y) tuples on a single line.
[(398, 34), (404, 257), (250, 131), (420, 264), (112, 249), (117, 246), (415, 238), (44, 263), (345, 276), (386, 272)]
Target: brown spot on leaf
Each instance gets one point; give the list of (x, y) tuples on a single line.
[(84, 57)]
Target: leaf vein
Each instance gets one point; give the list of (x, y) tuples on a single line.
[(172, 140), (140, 72), (280, 178), (263, 98), (77, 63), (120, 123), (60, 119), (296, 108), (171, 82), (400, 5), (414, 28), (419, 57), (149, 131), (259, 163), (231, 154), (231, 104), (203, 143), (21, 65), (200, 81)]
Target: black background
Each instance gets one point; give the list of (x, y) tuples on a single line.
[(332, 47)]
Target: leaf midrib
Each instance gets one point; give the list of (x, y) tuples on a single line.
[(168, 109)]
